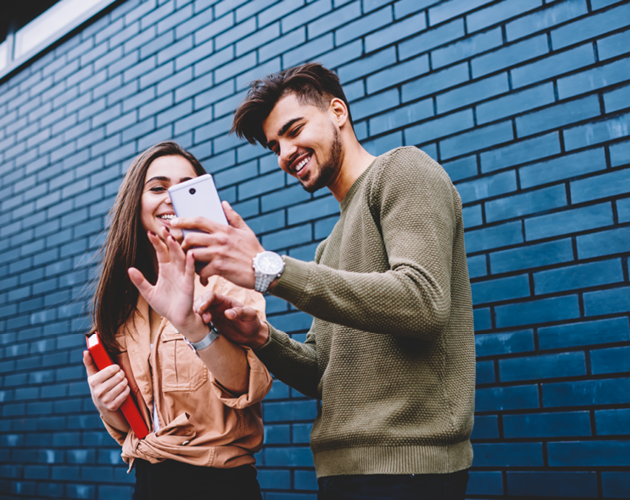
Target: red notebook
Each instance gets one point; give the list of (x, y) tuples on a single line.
[(129, 408)]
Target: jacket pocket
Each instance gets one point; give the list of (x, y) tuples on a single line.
[(181, 369)]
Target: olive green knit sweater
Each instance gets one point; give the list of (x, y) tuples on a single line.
[(391, 349)]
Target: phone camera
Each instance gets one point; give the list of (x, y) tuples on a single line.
[(192, 190)]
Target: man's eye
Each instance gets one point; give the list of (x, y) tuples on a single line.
[(296, 130)]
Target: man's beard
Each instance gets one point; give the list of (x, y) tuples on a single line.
[(329, 168)]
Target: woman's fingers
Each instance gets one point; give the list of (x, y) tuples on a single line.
[(90, 367), (161, 250), (143, 286)]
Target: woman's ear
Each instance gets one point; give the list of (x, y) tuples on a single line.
[(339, 110)]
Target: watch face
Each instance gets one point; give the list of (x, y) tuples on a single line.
[(269, 263)]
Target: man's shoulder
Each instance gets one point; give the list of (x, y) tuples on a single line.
[(405, 163)]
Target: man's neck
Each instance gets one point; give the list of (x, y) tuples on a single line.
[(355, 161)]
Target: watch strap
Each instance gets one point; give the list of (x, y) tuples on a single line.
[(206, 341)]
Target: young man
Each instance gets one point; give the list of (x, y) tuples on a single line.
[(391, 349)]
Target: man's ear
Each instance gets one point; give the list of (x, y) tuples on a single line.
[(339, 110)]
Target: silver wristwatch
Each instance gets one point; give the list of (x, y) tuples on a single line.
[(213, 335), (267, 267)]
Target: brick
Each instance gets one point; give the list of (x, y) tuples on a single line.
[(553, 66), (585, 333), (251, 8), (466, 48), (294, 456), (237, 66), (288, 237), (623, 210), (281, 10), (504, 343), (611, 360), (374, 104), (397, 74), (289, 411), (614, 45), (538, 311), (472, 216), (315, 209), (592, 79), (611, 422), (493, 237), (304, 15), (587, 392), (485, 427), (568, 221), (498, 290), (210, 63), (520, 152), (485, 483), (281, 44), (526, 203), (553, 252), (590, 27), (617, 99), (616, 484), (603, 243), (485, 372), (589, 453), (275, 479), (509, 56), (439, 127), (333, 20), (566, 364), (452, 8), (471, 93), (498, 13), (233, 34), (367, 65), (552, 484), (508, 454), (558, 116), (600, 186), (402, 29), (480, 138), (308, 51), (564, 167), (383, 144), (434, 82), (365, 25), (557, 13), (462, 168), (482, 319), (610, 301)]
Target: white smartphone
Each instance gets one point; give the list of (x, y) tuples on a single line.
[(197, 197)]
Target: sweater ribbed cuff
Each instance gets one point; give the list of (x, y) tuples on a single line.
[(293, 281)]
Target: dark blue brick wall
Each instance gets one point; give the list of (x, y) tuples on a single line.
[(526, 104)]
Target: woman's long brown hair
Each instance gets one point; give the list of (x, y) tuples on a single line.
[(127, 246)]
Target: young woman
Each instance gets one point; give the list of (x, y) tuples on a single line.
[(198, 393)]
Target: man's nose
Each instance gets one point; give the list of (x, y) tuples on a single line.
[(287, 153)]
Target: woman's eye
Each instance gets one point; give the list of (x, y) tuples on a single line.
[(157, 189)]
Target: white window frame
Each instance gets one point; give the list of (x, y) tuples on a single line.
[(46, 29)]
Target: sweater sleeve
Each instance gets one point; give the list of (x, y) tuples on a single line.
[(417, 211), (293, 362)]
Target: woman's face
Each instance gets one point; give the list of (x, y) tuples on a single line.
[(164, 172)]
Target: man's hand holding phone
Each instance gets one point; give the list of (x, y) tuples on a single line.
[(228, 249)]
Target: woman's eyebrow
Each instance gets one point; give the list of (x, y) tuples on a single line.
[(158, 178)]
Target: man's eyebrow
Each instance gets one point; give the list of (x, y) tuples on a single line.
[(287, 125)]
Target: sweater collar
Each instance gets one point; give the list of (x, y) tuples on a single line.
[(355, 186)]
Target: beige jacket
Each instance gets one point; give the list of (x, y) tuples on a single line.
[(200, 422)]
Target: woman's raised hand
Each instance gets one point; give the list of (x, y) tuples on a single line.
[(172, 295)]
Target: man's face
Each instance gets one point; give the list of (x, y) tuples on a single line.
[(306, 140)]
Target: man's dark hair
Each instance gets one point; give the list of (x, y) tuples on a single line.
[(311, 83)]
